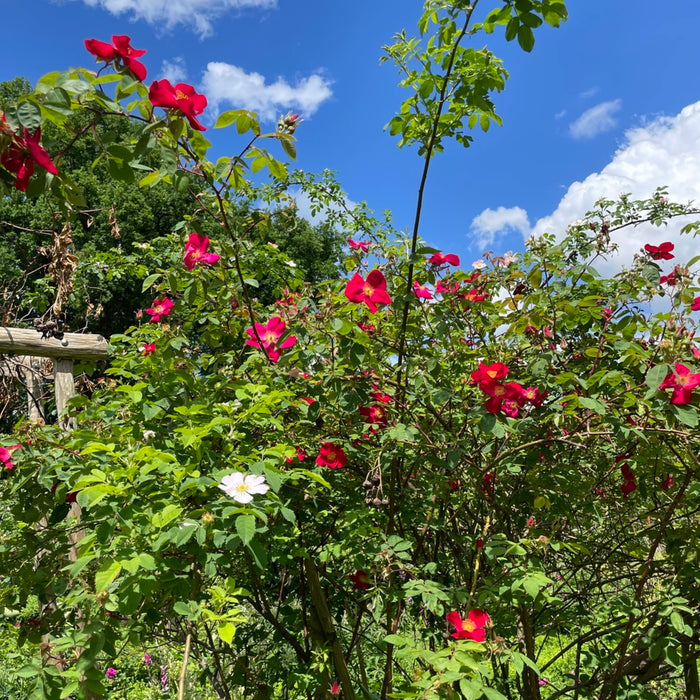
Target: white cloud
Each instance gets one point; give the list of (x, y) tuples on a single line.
[(175, 71), (665, 151), (486, 225), (595, 120), (588, 93), (223, 82), (198, 14)]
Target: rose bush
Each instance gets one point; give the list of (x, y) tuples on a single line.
[(440, 492)]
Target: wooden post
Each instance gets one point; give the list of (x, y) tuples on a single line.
[(64, 386), (31, 372)]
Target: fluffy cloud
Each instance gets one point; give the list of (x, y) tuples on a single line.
[(663, 152), (486, 225), (666, 151), (174, 71), (198, 14), (223, 82), (595, 120)]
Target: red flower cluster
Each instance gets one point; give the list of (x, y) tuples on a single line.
[(160, 309), (371, 291), (269, 335), (672, 278), (447, 287), (360, 580), (182, 98), (362, 245), (196, 251), (300, 455), (331, 456), (661, 251), (682, 381), (440, 259), (507, 398), (148, 348), (6, 455), (121, 51), (630, 483), (421, 290), (471, 628), (476, 293), (695, 305), (23, 154)]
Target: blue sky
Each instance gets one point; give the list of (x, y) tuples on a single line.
[(606, 103)]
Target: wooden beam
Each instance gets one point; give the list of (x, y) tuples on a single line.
[(73, 346)]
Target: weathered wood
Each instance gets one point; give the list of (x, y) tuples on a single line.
[(64, 386), (33, 386), (27, 370), (74, 346)]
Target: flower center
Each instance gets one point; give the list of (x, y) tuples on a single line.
[(181, 95), (242, 488), (469, 625)]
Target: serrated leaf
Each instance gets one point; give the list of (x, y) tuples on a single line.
[(656, 375), (245, 527), (686, 415), (106, 574), (165, 516), (29, 115)]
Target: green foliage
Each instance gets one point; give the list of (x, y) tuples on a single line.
[(476, 451)]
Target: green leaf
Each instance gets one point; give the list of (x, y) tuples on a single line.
[(686, 415), (29, 115), (289, 146), (512, 29), (245, 527), (226, 630), (29, 671), (677, 622), (71, 688), (526, 38), (150, 281), (165, 516), (656, 375), (593, 405), (106, 574)]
